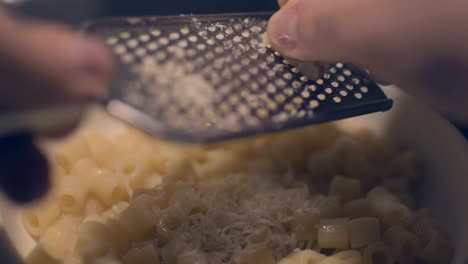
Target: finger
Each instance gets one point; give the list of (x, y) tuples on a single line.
[(24, 171), (49, 64), (335, 30)]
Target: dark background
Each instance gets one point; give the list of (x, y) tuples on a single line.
[(176, 7)]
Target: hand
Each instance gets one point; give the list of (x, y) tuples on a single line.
[(419, 45), (42, 64)]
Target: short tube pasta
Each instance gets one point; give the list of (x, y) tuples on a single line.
[(57, 242), (425, 228), (303, 257), (131, 199), (139, 218), (84, 168), (347, 188), (358, 208), (404, 244), (363, 231), (69, 153), (135, 171), (169, 219), (188, 199), (333, 234), (329, 206), (255, 255), (344, 257), (387, 207), (39, 256), (108, 187), (142, 255), (179, 167), (94, 241), (71, 194), (37, 220), (321, 164), (93, 206), (121, 241), (102, 150), (377, 253), (306, 225), (218, 162)]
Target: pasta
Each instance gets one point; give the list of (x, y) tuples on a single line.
[(108, 187), (358, 208), (37, 220), (377, 253), (334, 234), (387, 207), (139, 218), (143, 255), (40, 256), (94, 241), (404, 245), (425, 228), (348, 189), (329, 206), (93, 206), (56, 241), (256, 255), (303, 257), (306, 225), (69, 153), (344, 257), (71, 194), (363, 231), (284, 198)]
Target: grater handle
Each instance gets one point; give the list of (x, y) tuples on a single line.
[(42, 121)]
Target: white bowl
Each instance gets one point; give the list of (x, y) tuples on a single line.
[(438, 143)]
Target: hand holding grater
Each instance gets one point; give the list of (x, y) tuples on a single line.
[(202, 79)]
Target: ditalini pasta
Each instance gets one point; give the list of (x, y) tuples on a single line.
[(333, 234), (303, 257), (346, 188), (377, 253), (310, 196), (37, 220), (363, 231), (344, 257)]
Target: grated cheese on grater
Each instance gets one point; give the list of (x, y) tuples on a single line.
[(177, 80)]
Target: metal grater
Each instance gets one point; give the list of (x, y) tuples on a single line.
[(211, 78)]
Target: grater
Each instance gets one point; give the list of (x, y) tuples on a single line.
[(209, 78)]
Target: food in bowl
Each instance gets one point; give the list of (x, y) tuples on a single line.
[(315, 195)]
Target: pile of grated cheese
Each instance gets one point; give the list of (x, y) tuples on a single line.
[(242, 210)]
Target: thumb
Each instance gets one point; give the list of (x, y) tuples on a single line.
[(334, 30)]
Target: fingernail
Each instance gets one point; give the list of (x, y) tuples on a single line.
[(283, 28)]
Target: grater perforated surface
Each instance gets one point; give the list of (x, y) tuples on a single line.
[(211, 78)]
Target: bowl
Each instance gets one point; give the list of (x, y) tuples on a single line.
[(410, 124)]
